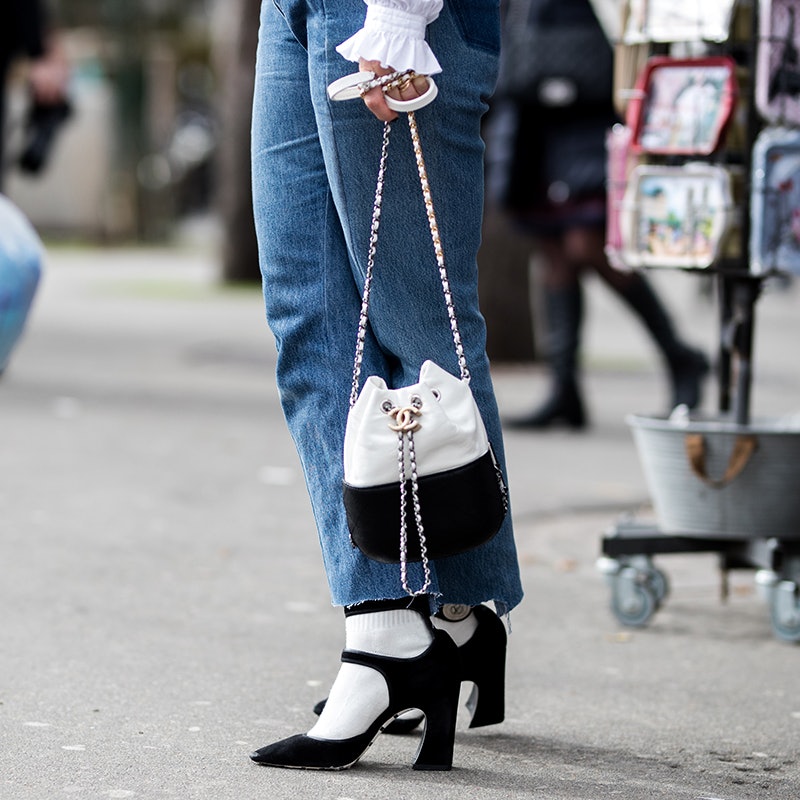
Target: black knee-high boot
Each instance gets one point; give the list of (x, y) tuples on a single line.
[(564, 405), (686, 365)]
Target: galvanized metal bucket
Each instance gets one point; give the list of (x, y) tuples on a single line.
[(717, 478)]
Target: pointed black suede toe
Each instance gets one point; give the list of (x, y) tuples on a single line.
[(428, 682)]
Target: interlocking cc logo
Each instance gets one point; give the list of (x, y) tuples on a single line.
[(404, 419)]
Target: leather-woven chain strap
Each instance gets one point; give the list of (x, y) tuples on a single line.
[(405, 422), (373, 243)]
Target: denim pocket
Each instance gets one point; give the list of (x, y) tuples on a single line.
[(295, 15), (479, 22)]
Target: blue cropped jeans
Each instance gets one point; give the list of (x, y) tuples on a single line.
[(315, 166)]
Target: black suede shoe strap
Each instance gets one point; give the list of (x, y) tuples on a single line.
[(420, 604)]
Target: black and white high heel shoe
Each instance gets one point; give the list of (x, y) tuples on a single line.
[(482, 661), (428, 682)]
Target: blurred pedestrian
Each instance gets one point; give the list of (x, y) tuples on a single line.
[(25, 31), (548, 159), (315, 166)]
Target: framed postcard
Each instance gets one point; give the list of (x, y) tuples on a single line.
[(678, 21), (676, 216), (683, 106), (778, 62), (775, 203)]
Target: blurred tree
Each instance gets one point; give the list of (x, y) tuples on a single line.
[(239, 246)]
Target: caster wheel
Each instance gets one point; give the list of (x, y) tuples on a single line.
[(659, 583), (633, 598), (785, 611)]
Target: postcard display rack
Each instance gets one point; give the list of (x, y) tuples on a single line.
[(705, 176)]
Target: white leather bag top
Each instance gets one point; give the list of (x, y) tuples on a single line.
[(451, 433)]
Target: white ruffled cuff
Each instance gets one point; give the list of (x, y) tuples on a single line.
[(395, 38)]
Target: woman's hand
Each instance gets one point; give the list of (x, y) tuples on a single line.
[(374, 98), (49, 74)]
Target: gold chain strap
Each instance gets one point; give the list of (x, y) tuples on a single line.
[(437, 245), (373, 243)]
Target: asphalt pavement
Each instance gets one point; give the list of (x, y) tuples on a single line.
[(164, 608)]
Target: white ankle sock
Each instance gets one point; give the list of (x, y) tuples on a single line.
[(359, 694), (399, 633), (461, 631)]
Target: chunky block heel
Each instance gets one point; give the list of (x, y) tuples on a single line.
[(483, 662), (428, 682), (438, 737)]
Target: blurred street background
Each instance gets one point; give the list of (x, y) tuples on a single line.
[(160, 125), (155, 534)]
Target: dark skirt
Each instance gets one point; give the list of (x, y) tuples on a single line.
[(547, 168)]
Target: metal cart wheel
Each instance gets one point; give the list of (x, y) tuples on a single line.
[(784, 609), (659, 583), (633, 598)]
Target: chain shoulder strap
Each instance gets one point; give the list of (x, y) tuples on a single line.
[(405, 430), (373, 243)]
